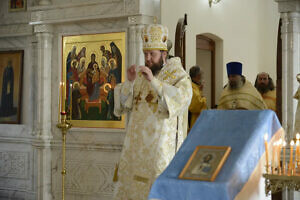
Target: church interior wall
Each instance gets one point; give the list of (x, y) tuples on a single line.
[(30, 159), (250, 37), (17, 157), (91, 152), (30, 152)]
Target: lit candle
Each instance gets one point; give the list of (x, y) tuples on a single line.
[(62, 93), (278, 154), (273, 164), (297, 149), (267, 152), (283, 162), (70, 105), (291, 156), (297, 152)]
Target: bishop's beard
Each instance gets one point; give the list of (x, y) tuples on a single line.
[(156, 67)]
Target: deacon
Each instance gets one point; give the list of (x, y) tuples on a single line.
[(264, 84), (239, 94), (157, 97)]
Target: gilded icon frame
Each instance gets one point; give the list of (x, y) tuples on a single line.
[(11, 76), (17, 5), (92, 65), (205, 163)]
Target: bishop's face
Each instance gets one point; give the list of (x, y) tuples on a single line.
[(154, 59)]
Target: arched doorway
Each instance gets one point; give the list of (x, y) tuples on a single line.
[(209, 56)]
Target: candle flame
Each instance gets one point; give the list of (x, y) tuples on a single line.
[(297, 136), (297, 143), (266, 136), (284, 143), (292, 143)]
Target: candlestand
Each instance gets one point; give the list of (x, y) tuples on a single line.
[(64, 126)]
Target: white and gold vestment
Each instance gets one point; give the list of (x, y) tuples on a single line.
[(156, 127)]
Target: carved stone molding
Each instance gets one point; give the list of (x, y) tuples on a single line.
[(140, 19), (288, 5), (43, 28), (78, 13), (85, 177), (89, 178), (45, 2), (132, 6), (15, 30), (14, 164), (56, 144)]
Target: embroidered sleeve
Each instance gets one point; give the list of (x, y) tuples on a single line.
[(123, 97), (173, 99)]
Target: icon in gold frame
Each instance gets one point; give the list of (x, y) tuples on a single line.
[(92, 65), (205, 163)]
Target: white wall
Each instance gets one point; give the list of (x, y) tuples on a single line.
[(248, 29)]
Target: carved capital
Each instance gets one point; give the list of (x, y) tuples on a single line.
[(285, 6), (43, 28), (15, 30), (140, 19)]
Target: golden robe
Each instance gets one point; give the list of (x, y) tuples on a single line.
[(156, 127), (198, 104), (270, 99), (297, 114), (246, 97)]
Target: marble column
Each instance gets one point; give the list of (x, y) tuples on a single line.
[(42, 127), (135, 43), (290, 35)]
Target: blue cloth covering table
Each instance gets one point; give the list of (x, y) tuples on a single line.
[(242, 130)]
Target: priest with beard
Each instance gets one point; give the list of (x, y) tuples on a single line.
[(239, 94), (264, 84), (157, 96)]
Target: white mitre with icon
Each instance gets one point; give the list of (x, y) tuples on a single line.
[(155, 37)]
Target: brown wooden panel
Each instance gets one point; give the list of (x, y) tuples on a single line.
[(279, 75), (180, 39), (205, 43)]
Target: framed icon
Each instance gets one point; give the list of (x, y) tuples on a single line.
[(92, 66), (205, 163), (17, 5), (11, 73)]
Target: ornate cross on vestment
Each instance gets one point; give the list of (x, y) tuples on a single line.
[(137, 98), (170, 74)]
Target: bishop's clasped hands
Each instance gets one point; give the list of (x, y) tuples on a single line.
[(134, 69)]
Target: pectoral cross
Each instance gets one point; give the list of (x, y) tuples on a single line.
[(170, 74), (138, 98), (234, 105)]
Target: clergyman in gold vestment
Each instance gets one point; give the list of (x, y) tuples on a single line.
[(157, 97), (198, 102), (264, 84), (239, 94)]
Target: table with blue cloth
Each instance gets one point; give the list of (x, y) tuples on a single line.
[(243, 131)]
